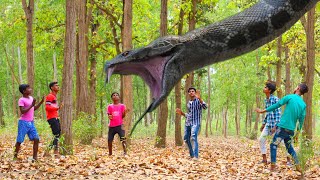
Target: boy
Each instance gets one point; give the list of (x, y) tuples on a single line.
[(26, 122), (271, 119), (295, 110), (52, 109), (193, 122), (116, 112)]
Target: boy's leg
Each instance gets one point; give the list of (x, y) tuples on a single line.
[(289, 147), (111, 134), (194, 136), (22, 131), (187, 139), (35, 148), (277, 138), (122, 136), (262, 143), (33, 136), (56, 131)]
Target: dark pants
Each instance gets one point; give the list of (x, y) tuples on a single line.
[(116, 130), (56, 131), (285, 135)]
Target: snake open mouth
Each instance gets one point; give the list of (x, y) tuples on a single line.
[(150, 70)]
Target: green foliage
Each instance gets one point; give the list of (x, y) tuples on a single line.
[(85, 128), (305, 153)]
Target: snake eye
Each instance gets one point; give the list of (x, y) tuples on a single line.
[(125, 53)]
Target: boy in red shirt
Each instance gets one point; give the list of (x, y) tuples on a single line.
[(52, 108), (116, 112)]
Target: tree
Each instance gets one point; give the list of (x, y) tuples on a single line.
[(279, 65), (84, 18), (309, 78), (29, 12), (126, 81), (163, 109), (67, 75)]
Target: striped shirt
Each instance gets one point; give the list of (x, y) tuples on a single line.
[(272, 118), (194, 112)]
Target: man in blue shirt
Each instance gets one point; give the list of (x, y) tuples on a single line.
[(295, 110), (193, 122)]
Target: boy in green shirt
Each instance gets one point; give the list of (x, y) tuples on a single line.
[(295, 110)]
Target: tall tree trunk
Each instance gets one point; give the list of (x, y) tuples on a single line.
[(14, 97), (126, 81), (225, 121), (163, 109), (192, 26), (19, 64), (208, 103), (55, 71), (278, 78), (310, 71), (237, 116), (256, 123), (177, 89), (2, 123), (82, 102), (269, 73), (93, 73), (67, 75), (29, 11), (288, 71)]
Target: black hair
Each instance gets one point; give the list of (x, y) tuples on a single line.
[(192, 88), (23, 87), (115, 93), (52, 84), (303, 88), (271, 86)]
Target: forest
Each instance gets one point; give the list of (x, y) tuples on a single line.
[(71, 41)]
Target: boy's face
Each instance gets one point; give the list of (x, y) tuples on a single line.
[(55, 88), (192, 92), (266, 90), (28, 91), (115, 97)]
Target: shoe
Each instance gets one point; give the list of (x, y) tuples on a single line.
[(289, 163), (273, 167), (263, 162)]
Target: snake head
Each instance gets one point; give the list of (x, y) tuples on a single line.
[(153, 64)]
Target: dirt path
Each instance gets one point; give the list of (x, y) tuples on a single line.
[(220, 158)]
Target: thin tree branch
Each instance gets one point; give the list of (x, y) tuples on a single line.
[(11, 68)]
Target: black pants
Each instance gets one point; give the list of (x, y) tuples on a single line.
[(116, 130), (56, 131)]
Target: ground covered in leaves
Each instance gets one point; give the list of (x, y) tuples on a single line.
[(220, 158)]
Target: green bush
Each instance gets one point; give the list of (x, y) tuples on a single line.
[(85, 128)]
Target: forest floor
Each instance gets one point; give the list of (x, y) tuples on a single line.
[(220, 158)]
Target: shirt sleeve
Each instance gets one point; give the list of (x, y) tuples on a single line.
[(109, 110), (280, 103), (301, 119), (20, 102), (49, 101)]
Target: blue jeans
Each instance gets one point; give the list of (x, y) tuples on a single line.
[(285, 135), (191, 133)]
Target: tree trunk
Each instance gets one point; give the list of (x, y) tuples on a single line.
[(126, 81), (208, 103), (29, 11), (177, 89), (163, 110), (225, 121), (2, 123), (255, 129), (288, 71), (82, 101), (192, 26), (19, 64), (67, 75), (278, 78), (237, 116), (310, 71), (93, 73), (55, 71)]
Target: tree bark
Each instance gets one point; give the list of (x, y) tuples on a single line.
[(278, 78), (82, 101), (288, 71), (310, 71), (208, 104), (163, 109), (55, 71), (237, 116), (67, 75), (19, 64), (29, 12), (126, 81)]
